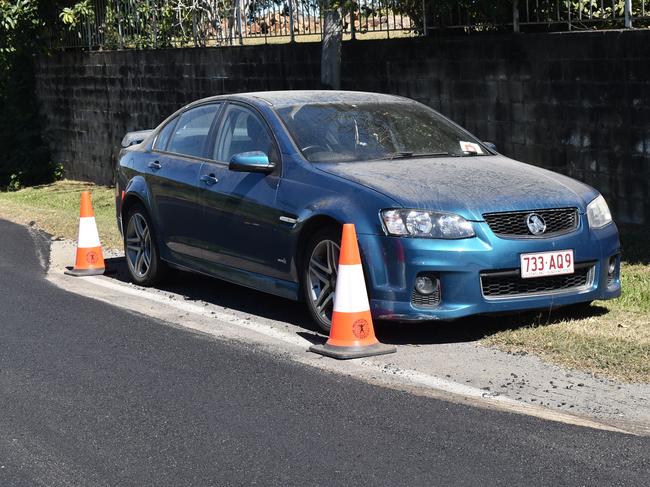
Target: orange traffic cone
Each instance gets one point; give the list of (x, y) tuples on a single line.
[(90, 258), (352, 334)]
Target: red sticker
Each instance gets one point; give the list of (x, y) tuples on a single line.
[(360, 328), (91, 258)]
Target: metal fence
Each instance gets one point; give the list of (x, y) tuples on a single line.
[(538, 15), (120, 24), (123, 24)]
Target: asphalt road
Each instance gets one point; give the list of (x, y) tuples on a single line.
[(92, 395)]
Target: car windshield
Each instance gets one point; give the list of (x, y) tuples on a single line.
[(351, 132)]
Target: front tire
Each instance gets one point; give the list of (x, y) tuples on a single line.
[(141, 248), (318, 273)]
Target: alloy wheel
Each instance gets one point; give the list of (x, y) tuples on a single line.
[(322, 274), (138, 245)]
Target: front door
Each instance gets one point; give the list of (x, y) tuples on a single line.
[(239, 214)]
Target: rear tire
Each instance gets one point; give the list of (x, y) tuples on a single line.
[(141, 248), (318, 272)]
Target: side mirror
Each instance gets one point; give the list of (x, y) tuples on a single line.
[(256, 161), (133, 138), (491, 146)]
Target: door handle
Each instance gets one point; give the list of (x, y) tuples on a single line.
[(155, 165), (209, 179)]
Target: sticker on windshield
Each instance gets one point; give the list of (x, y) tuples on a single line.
[(470, 147)]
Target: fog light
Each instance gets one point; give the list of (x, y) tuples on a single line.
[(612, 265), (425, 285)]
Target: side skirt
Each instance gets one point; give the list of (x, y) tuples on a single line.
[(271, 285)]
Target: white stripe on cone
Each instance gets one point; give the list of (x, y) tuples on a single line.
[(88, 236), (350, 295)]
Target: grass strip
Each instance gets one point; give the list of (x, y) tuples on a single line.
[(609, 339), (54, 208)]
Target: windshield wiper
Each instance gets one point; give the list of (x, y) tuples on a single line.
[(470, 154), (406, 154)]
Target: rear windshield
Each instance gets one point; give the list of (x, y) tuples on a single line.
[(350, 132)]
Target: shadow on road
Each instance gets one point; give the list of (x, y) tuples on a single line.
[(195, 287)]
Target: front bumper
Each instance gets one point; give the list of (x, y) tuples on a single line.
[(392, 264)]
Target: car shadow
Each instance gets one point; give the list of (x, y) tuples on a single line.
[(196, 287), (475, 328)]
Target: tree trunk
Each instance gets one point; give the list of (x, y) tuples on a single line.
[(330, 65)]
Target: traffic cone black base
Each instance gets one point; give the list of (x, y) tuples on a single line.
[(70, 271), (345, 353)]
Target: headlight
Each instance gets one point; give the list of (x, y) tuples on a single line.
[(430, 224), (598, 213)]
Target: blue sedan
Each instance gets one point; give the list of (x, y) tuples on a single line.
[(253, 189)]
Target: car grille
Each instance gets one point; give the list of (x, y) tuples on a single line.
[(508, 284), (513, 224)]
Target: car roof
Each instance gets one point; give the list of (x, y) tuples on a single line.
[(280, 99)]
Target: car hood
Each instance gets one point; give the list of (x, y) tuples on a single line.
[(468, 186)]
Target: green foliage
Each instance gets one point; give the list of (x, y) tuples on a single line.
[(147, 25), (73, 16), (25, 158), (59, 172), (15, 17), (160, 24), (15, 183)]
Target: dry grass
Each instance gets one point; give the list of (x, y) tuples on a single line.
[(54, 208), (610, 338), (304, 38)]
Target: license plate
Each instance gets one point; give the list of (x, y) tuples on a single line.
[(546, 263)]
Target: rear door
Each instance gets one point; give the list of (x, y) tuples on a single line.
[(174, 182), (239, 213)]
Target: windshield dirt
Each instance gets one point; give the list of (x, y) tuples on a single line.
[(350, 132)]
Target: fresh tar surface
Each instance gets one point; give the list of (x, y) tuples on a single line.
[(93, 395)]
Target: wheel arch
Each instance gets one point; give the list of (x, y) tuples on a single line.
[(311, 226), (136, 192), (307, 230), (130, 200)]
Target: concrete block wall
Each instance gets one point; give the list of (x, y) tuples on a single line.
[(577, 103), (91, 99)]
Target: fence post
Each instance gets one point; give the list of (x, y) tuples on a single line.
[(154, 32), (353, 30), (515, 16), (291, 33), (627, 7), (120, 27), (88, 32), (239, 23), (424, 17), (194, 29)]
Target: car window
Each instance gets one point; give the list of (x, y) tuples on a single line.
[(164, 134), (242, 131), (191, 131), (350, 132)]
